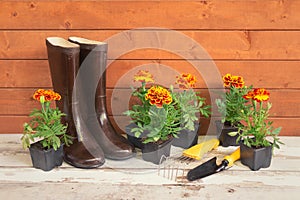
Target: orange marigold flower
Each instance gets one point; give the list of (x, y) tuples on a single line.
[(261, 94), (49, 95), (158, 96), (186, 81), (37, 94), (143, 76), (56, 97), (249, 95)]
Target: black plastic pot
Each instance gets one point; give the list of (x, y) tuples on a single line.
[(43, 159), (135, 141), (187, 138), (153, 152), (256, 158), (222, 132)]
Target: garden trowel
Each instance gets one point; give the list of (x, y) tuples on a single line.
[(211, 167), (170, 167)]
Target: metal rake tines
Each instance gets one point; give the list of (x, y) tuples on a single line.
[(173, 168)]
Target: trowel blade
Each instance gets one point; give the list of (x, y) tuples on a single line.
[(203, 170)]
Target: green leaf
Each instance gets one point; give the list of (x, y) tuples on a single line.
[(156, 138), (276, 131), (234, 133), (128, 112), (148, 140)]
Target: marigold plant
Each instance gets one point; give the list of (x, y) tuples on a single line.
[(189, 101), (163, 112), (255, 126), (45, 125), (232, 102)]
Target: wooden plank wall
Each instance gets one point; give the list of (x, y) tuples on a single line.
[(259, 40)]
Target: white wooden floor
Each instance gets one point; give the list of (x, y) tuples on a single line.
[(135, 179)]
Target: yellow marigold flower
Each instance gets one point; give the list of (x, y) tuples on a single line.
[(235, 81), (261, 94), (227, 79), (258, 94), (143, 76), (186, 81), (158, 96)]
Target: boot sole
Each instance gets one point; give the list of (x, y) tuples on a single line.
[(122, 158), (84, 166)]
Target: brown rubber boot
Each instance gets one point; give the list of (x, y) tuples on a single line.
[(93, 72), (63, 57)]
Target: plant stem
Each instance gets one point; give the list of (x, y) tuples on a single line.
[(44, 111)]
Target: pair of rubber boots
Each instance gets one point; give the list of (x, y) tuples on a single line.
[(78, 72)]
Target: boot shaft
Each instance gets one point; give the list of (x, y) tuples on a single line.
[(63, 58), (93, 56)]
